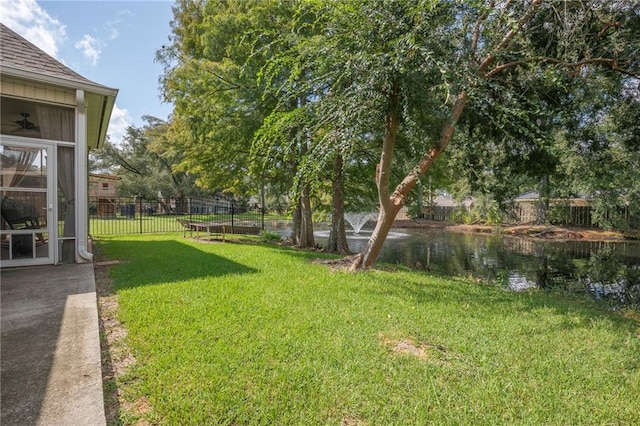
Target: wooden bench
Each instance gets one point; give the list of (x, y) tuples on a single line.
[(218, 228), (196, 226)]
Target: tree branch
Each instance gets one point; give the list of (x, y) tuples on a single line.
[(383, 169), (511, 34), (504, 9), (613, 63), (476, 29), (428, 159)]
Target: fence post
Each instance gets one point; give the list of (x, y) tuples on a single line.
[(89, 214), (140, 212), (232, 209), (190, 216)]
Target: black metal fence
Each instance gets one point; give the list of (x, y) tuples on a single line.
[(117, 216)]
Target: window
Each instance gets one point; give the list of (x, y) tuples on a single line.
[(36, 120)]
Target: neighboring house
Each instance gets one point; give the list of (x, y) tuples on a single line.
[(103, 192), (532, 198), (446, 200), (442, 206), (528, 207), (50, 117)]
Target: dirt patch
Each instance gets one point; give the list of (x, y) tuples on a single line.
[(548, 232), (117, 359), (422, 350), (341, 264), (106, 263), (352, 421)]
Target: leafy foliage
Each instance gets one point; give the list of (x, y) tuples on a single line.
[(145, 162), (282, 89)]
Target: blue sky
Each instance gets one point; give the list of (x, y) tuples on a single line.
[(109, 42)]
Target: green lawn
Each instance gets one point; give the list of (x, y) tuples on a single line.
[(230, 333), (121, 225), (146, 224)]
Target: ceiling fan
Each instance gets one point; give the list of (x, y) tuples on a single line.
[(25, 124)]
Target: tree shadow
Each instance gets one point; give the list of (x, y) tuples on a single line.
[(148, 263), (156, 262)]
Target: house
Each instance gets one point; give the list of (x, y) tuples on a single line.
[(103, 193), (529, 207), (50, 117), (443, 205), (445, 200)]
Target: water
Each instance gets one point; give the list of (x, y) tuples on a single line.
[(358, 219), (608, 271)]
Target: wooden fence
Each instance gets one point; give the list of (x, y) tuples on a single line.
[(580, 216)]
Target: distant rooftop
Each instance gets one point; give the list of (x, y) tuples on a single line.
[(529, 195), (17, 52)]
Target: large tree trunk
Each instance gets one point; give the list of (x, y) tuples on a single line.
[(543, 200), (306, 226), (302, 223), (306, 239), (305, 235), (338, 236), (390, 204), (296, 224)]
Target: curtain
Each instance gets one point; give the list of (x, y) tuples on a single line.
[(66, 186), (14, 162), (56, 123)]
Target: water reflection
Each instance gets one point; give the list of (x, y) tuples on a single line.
[(607, 270)]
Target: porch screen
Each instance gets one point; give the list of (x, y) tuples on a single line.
[(66, 204), (56, 123)]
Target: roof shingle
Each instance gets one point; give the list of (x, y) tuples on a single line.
[(17, 52)]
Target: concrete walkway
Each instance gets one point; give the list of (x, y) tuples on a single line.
[(50, 347)]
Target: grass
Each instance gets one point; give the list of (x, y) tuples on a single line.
[(257, 334), (120, 225)]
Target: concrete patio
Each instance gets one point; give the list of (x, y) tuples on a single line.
[(50, 347)]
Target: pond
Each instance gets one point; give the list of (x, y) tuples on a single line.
[(607, 270)]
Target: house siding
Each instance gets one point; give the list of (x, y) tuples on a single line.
[(17, 88)]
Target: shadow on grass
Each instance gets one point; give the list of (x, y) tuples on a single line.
[(162, 261), (156, 262), (145, 263)]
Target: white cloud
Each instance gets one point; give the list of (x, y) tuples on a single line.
[(90, 47), (32, 22), (113, 33), (118, 124), (111, 27)]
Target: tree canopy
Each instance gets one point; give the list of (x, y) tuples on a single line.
[(517, 92), (145, 160)]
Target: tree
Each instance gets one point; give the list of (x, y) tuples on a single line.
[(145, 164), (213, 69), (210, 81), (601, 153), (414, 71)]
